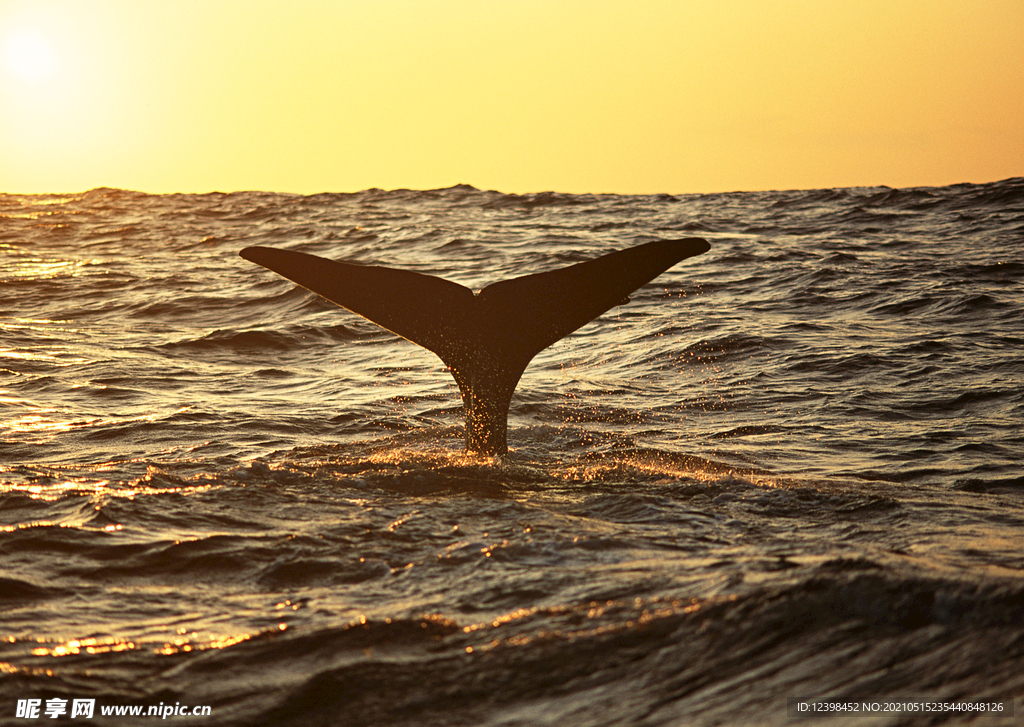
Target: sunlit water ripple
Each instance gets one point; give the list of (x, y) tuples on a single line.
[(790, 467)]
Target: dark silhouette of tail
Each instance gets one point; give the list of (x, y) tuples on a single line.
[(486, 340)]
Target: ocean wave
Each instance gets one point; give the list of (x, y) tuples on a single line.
[(800, 448)]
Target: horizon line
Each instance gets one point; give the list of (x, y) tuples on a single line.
[(470, 187)]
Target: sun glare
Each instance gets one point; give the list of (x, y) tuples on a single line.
[(30, 57)]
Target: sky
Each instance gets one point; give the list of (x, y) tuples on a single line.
[(601, 96)]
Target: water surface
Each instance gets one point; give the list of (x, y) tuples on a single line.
[(789, 467)]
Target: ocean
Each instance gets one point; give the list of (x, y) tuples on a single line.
[(782, 485)]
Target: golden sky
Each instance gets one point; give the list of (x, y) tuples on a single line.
[(628, 96)]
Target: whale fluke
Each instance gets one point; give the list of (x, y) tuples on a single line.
[(485, 339)]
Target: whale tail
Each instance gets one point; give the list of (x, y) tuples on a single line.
[(485, 339)]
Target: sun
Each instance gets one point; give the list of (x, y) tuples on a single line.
[(30, 57)]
